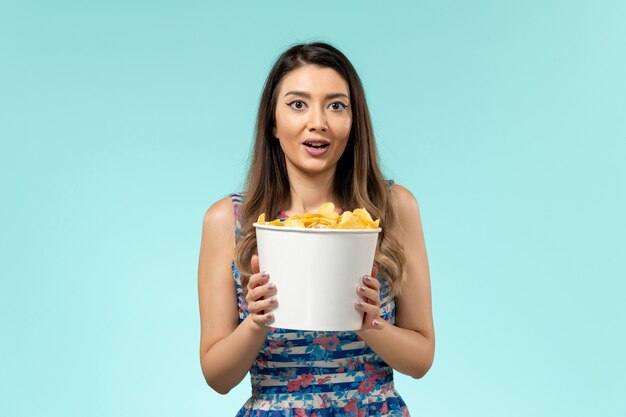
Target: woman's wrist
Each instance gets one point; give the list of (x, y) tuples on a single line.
[(259, 330)]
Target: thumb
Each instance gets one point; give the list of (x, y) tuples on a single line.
[(375, 270), (254, 263)]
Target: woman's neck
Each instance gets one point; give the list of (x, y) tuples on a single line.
[(308, 193)]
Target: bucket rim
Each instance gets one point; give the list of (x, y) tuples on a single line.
[(315, 231)]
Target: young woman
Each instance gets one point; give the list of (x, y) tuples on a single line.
[(314, 144)]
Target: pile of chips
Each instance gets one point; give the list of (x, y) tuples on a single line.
[(327, 218)]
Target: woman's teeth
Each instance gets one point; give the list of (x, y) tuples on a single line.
[(316, 145)]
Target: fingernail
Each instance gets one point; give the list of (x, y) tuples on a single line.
[(271, 286), (273, 300), (269, 316), (362, 288), (265, 274), (377, 324), (367, 278), (359, 303)]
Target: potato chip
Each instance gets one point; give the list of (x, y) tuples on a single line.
[(327, 218), (328, 210), (363, 214), (293, 223)]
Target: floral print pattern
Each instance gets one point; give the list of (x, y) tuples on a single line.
[(318, 374)]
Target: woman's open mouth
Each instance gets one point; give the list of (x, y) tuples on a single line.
[(316, 148), (316, 145)]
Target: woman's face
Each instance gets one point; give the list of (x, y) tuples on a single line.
[(313, 119)]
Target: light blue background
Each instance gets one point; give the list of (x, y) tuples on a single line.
[(121, 122)]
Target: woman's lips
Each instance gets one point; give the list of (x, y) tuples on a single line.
[(316, 148)]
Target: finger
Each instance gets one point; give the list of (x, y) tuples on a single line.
[(378, 323), (370, 281), (263, 306), (263, 319), (369, 294), (257, 280), (368, 309), (262, 291), (254, 264), (375, 270)]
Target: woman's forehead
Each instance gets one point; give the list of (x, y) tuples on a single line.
[(314, 80)]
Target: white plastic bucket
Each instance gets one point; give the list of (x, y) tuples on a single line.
[(316, 272)]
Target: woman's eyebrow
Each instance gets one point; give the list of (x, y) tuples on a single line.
[(307, 95)]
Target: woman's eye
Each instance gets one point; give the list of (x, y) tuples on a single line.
[(338, 106), (297, 105)]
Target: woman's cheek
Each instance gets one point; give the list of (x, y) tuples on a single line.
[(347, 125)]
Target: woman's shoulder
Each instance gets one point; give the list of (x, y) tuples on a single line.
[(404, 201), (219, 212), (222, 212)]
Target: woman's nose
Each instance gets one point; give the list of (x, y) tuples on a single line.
[(317, 119)]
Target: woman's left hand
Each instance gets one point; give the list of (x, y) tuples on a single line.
[(368, 302)]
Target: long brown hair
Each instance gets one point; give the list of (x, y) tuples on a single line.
[(358, 181)]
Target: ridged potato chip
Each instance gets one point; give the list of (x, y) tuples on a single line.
[(327, 218)]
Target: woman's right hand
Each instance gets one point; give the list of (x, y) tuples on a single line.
[(261, 295)]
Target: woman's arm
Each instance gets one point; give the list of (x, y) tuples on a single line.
[(227, 349), (409, 345)]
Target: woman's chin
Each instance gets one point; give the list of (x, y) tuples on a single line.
[(315, 168), (312, 165)]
